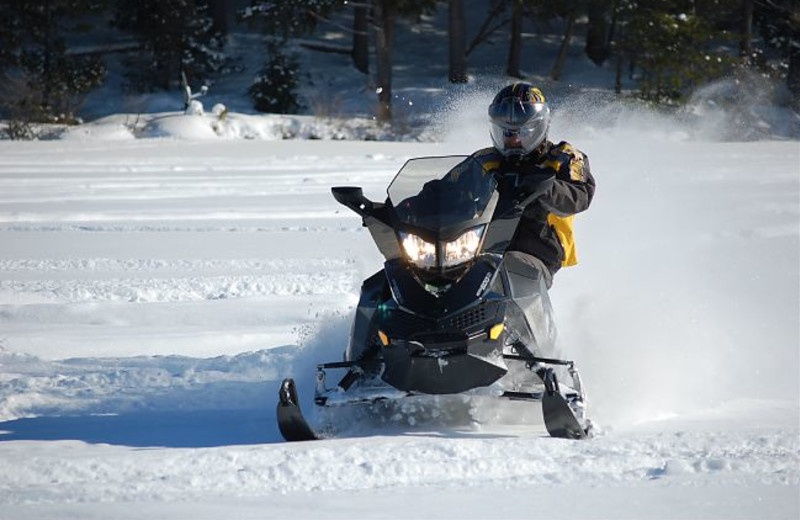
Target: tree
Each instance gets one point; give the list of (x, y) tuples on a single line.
[(491, 24), (361, 36), (598, 30), (674, 49), (778, 22), (515, 47), (385, 17), (458, 42), (745, 43), (175, 36), (274, 88), (561, 58), (41, 80)]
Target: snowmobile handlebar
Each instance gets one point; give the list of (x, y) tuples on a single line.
[(535, 186), (531, 188), (353, 198)]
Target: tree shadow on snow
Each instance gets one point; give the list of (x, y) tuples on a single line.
[(250, 421), (173, 429)]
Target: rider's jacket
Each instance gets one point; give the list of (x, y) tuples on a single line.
[(545, 229)]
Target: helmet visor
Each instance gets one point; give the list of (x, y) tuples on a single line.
[(518, 141)]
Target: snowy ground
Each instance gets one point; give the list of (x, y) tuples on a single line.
[(153, 292)]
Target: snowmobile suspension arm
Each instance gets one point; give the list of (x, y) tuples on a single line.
[(534, 359), (338, 364)]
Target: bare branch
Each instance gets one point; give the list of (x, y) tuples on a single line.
[(335, 24), (326, 47), (497, 7), (481, 38)]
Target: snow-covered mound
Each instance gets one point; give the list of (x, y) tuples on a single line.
[(227, 126)]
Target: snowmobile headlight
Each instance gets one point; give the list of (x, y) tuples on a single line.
[(463, 248), (418, 251)]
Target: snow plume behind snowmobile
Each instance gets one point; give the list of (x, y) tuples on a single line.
[(446, 315)]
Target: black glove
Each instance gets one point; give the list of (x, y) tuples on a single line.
[(532, 187)]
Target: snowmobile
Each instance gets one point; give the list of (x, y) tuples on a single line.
[(445, 315)]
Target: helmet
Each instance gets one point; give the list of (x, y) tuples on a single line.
[(520, 118)]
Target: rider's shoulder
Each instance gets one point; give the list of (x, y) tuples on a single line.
[(564, 148), (489, 158)]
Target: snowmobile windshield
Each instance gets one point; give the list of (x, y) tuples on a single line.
[(439, 192)]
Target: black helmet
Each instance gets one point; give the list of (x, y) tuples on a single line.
[(520, 118)]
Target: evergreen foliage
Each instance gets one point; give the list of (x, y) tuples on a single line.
[(674, 49), (40, 81), (285, 19), (779, 24), (175, 36), (275, 88), (669, 47)]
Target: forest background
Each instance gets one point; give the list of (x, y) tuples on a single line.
[(57, 54)]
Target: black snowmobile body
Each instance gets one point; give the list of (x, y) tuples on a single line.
[(445, 315)]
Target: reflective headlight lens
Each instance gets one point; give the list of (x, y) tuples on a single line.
[(463, 248), (418, 251)]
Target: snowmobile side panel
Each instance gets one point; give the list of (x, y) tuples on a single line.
[(373, 290), (291, 423)]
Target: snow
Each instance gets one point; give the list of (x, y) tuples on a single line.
[(152, 293), (160, 273)]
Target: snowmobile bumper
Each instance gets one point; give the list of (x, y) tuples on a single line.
[(442, 364)]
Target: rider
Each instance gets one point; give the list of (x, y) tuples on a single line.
[(520, 119)]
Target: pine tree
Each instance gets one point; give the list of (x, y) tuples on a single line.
[(599, 30), (673, 48), (176, 36), (778, 22), (274, 88), (39, 79), (284, 19)]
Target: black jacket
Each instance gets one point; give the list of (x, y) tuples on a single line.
[(545, 230)]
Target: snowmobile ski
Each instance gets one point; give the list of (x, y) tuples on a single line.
[(291, 423), (559, 418)]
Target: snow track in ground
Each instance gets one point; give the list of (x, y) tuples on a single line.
[(154, 293), (32, 387), (104, 282)]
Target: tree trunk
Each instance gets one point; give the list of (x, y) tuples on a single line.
[(745, 44), (385, 15), (361, 39), (458, 42), (47, 65), (561, 59), (793, 75), (597, 32), (219, 15), (515, 49)]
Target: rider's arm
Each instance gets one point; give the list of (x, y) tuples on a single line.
[(574, 186)]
